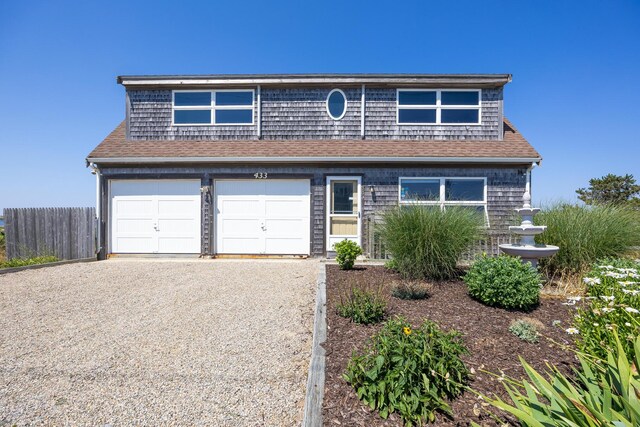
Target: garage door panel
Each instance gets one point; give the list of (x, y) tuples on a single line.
[(134, 188), (238, 245), (286, 187), (136, 244), (131, 207), (239, 207), (178, 188), (240, 227), (177, 208), (285, 208), (177, 245), (240, 188), (287, 227), (177, 226), (284, 246), (133, 226)]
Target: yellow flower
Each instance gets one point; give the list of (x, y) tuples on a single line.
[(407, 330)]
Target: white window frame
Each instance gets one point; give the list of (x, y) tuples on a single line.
[(344, 111), (438, 107), (213, 107), (443, 203)]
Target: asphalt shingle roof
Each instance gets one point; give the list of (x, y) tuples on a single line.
[(116, 145)]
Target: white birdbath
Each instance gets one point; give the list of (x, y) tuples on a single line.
[(527, 248)]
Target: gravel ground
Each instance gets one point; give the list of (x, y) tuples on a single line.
[(156, 342)]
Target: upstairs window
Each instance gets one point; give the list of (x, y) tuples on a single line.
[(427, 106), (336, 104), (470, 193), (220, 107)]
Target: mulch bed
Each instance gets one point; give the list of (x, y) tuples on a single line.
[(485, 333)]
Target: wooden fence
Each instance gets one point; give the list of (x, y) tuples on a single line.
[(67, 233)]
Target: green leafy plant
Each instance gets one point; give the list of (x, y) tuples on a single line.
[(604, 393), (586, 234), (409, 371), (411, 289), (362, 306), (346, 253), (612, 306), (21, 262), (525, 330), (503, 281), (426, 242)]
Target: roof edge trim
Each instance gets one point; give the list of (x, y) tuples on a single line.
[(284, 79), (149, 160)]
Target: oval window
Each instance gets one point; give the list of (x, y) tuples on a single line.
[(336, 104)]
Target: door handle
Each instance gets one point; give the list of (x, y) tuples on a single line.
[(155, 227)]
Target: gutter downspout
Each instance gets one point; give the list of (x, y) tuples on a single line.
[(96, 171), (528, 173)]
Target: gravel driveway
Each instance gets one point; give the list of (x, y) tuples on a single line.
[(157, 342)]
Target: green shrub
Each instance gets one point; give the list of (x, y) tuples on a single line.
[(21, 262), (362, 306), (586, 234), (604, 393), (524, 330), (426, 242), (504, 281), (409, 371), (346, 253), (613, 305), (411, 289)]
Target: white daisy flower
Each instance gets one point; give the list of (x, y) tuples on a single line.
[(631, 310), (591, 280), (572, 331), (607, 309), (608, 298), (627, 324)]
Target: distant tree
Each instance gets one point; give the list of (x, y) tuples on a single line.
[(611, 189)]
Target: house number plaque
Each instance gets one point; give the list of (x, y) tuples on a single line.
[(260, 175)]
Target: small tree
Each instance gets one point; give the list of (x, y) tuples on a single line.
[(611, 189)]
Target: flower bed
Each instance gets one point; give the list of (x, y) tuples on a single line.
[(485, 332), (612, 303)]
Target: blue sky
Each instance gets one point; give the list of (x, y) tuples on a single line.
[(575, 64)]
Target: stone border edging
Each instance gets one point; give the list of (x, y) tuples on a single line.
[(312, 416), (46, 264)]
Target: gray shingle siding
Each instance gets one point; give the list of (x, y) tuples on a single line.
[(505, 186), (300, 113)]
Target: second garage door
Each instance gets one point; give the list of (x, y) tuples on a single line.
[(262, 217)]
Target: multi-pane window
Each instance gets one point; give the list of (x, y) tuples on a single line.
[(430, 106), (221, 107), (470, 193)]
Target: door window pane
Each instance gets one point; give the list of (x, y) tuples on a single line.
[(420, 190), (343, 195), (462, 190)]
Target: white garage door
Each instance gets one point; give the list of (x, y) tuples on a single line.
[(262, 217), (155, 216)]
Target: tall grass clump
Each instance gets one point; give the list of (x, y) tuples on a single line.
[(426, 242), (586, 234)]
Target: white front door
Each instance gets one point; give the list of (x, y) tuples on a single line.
[(155, 216), (343, 209), (262, 216)]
